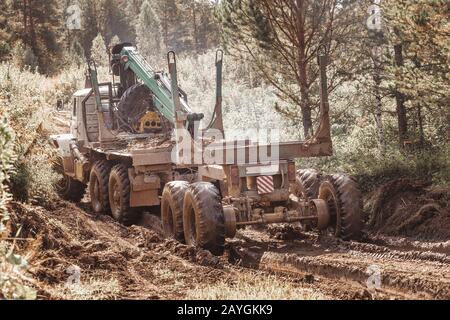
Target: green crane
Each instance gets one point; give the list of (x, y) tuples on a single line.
[(129, 64)]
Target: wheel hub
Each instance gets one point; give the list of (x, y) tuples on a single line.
[(329, 195)]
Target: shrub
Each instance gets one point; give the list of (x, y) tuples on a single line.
[(25, 98), (356, 153), (6, 159), (12, 266)]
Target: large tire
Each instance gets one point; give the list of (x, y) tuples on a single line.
[(135, 101), (308, 183), (172, 209), (98, 186), (203, 218), (345, 204), (119, 196), (67, 187)]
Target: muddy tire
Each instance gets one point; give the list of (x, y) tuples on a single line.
[(172, 209), (119, 196), (345, 204), (203, 217), (67, 187), (308, 183), (98, 186)]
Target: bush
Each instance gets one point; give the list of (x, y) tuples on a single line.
[(34, 180), (12, 266), (25, 98), (357, 153), (6, 159)]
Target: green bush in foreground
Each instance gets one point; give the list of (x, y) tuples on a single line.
[(12, 266), (357, 153)]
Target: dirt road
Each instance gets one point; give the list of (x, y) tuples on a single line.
[(76, 254)]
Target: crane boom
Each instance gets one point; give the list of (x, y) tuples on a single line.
[(158, 82)]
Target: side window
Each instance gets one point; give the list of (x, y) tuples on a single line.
[(74, 107)]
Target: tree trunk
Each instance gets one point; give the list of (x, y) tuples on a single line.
[(302, 71), (378, 100), (25, 22), (379, 117), (165, 27), (194, 23), (421, 133), (400, 101)]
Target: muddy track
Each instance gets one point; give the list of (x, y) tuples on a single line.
[(343, 269), (146, 266)]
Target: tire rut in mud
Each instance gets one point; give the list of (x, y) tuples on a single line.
[(345, 266)]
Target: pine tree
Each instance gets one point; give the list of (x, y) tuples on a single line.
[(418, 34), (148, 30), (99, 52), (76, 53), (115, 40), (283, 39), (90, 23), (38, 24), (5, 31), (113, 21)]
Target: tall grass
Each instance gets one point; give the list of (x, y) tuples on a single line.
[(26, 100)]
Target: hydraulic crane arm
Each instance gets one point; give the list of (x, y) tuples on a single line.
[(157, 82)]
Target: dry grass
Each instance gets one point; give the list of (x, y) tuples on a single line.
[(253, 286), (90, 289)]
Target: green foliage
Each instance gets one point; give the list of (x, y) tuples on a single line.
[(37, 24), (245, 107), (5, 31), (356, 152), (12, 266), (99, 52), (115, 40), (34, 180), (112, 19), (24, 56), (24, 98), (421, 27), (76, 54), (90, 23), (148, 31), (6, 160), (282, 40), (12, 276)]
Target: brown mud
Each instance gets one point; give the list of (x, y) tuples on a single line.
[(406, 245)]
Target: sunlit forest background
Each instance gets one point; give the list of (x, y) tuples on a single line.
[(389, 76)]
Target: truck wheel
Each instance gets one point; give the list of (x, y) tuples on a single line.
[(203, 217), (67, 187), (307, 183), (345, 204), (98, 186), (172, 209), (119, 195)]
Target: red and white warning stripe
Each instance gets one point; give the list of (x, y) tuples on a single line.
[(265, 184)]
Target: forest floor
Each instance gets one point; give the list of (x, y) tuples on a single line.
[(405, 253)]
